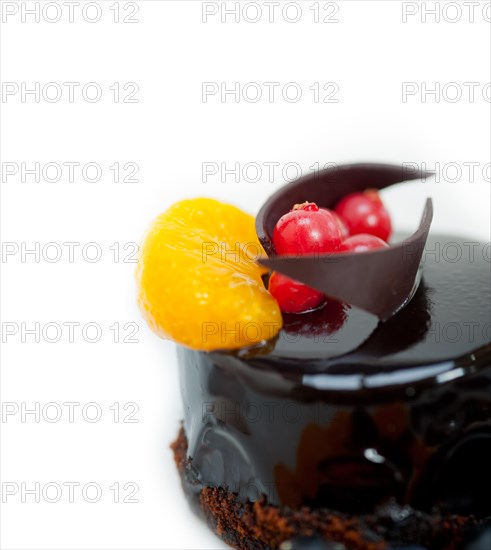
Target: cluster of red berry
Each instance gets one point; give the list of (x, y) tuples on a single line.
[(358, 223)]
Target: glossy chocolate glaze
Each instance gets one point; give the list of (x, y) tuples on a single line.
[(347, 412)]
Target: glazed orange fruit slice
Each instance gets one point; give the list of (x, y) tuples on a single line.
[(198, 281)]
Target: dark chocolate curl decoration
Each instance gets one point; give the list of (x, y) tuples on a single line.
[(380, 281)]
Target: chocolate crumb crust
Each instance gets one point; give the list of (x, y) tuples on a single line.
[(261, 526)]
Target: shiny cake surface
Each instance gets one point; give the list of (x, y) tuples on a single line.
[(344, 412)]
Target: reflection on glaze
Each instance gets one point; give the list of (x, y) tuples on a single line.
[(440, 324)]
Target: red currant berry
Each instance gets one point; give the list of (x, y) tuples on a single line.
[(292, 296), (365, 213), (362, 243), (307, 229), (342, 226)]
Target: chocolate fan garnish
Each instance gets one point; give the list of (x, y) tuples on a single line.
[(381, 281)]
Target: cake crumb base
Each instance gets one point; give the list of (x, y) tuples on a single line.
[(261, 526)]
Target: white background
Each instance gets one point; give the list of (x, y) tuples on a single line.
[(169, 133)]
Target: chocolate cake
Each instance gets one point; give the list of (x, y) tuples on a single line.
[(364, 424), (386, 443)]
